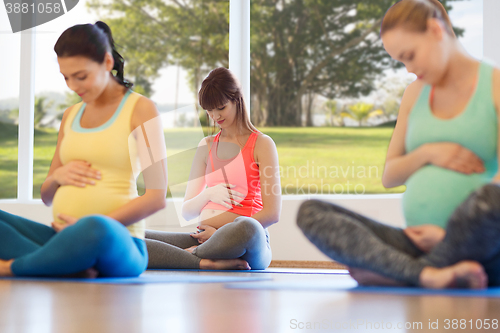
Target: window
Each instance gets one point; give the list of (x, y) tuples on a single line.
[(179, 65), (330, 109), (166, 57), (10, 44)]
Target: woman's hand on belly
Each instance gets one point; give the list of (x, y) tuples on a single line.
[(68, 220), (455, 157), (426, 236), (223, 195), (204, 233), (76, 173)]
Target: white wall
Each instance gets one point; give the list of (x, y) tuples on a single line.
[(287, 241), (491, 27)]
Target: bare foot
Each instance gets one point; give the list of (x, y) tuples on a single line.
[(90, 273), (465, 274), (224, 264), (365, 277), (190, 249), (5, 269)]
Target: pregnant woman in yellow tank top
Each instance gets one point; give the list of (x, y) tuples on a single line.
[(98, 226), (445, 150)]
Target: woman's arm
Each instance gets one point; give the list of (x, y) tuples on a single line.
[(399, 165), (266, 155), (196, 197), (50, 186), (76, 173), (155, 175), (496, 100)]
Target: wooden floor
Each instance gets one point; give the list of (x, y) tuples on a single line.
[(76, 307)]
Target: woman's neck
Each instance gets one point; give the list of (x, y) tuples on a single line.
[(233, 132), (111, 92), (461, 68)]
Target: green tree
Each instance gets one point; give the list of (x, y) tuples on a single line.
[(72, 98), (333, 113), (391, 108), (41, 106), (361, 111), (330, 47), (152, 34), (388, 94), (14, 114), (299, 47)]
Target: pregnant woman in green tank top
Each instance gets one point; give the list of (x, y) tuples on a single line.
[(445, 149)]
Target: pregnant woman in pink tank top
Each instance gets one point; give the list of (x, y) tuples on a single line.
[(233, 189)]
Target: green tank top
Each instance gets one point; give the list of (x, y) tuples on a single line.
[(433, 193)]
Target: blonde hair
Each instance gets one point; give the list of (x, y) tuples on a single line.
[(413, 15), (220, 87)]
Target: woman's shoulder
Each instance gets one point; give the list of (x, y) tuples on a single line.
[(144, 110), (496, 77), (264, 142), (208, 140), (414, 88), (410, 96), (145, 104), (496, 88), (261, 137), (70, 111)]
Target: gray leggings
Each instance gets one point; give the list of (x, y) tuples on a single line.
[(244, 238), (473, 233)]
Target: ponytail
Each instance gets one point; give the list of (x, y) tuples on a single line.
[(117, 57)]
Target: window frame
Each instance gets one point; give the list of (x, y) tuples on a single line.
[(26, 129)]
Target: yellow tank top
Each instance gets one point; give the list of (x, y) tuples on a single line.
[(107, 148)]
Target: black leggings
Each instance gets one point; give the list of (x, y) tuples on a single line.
[(473, 233)]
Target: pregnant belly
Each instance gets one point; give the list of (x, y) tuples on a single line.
[(78, 202), (216, 218), (433, 193)]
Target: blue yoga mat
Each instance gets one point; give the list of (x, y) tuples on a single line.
[(267, 270), (351, 286), (145, 278)]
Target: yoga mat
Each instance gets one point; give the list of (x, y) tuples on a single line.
[(267, 270), (351, 286), (144, 279)]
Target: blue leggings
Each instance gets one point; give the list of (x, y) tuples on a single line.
[(95, 241)]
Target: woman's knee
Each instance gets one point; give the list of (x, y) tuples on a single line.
[(247, 227), (313, 211), (484, 201), (97, 229), (489, 193)]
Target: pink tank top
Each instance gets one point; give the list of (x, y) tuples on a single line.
[(241, 171)]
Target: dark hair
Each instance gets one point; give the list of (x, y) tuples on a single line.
[(91, 41), (413, 15), (220, 87)]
